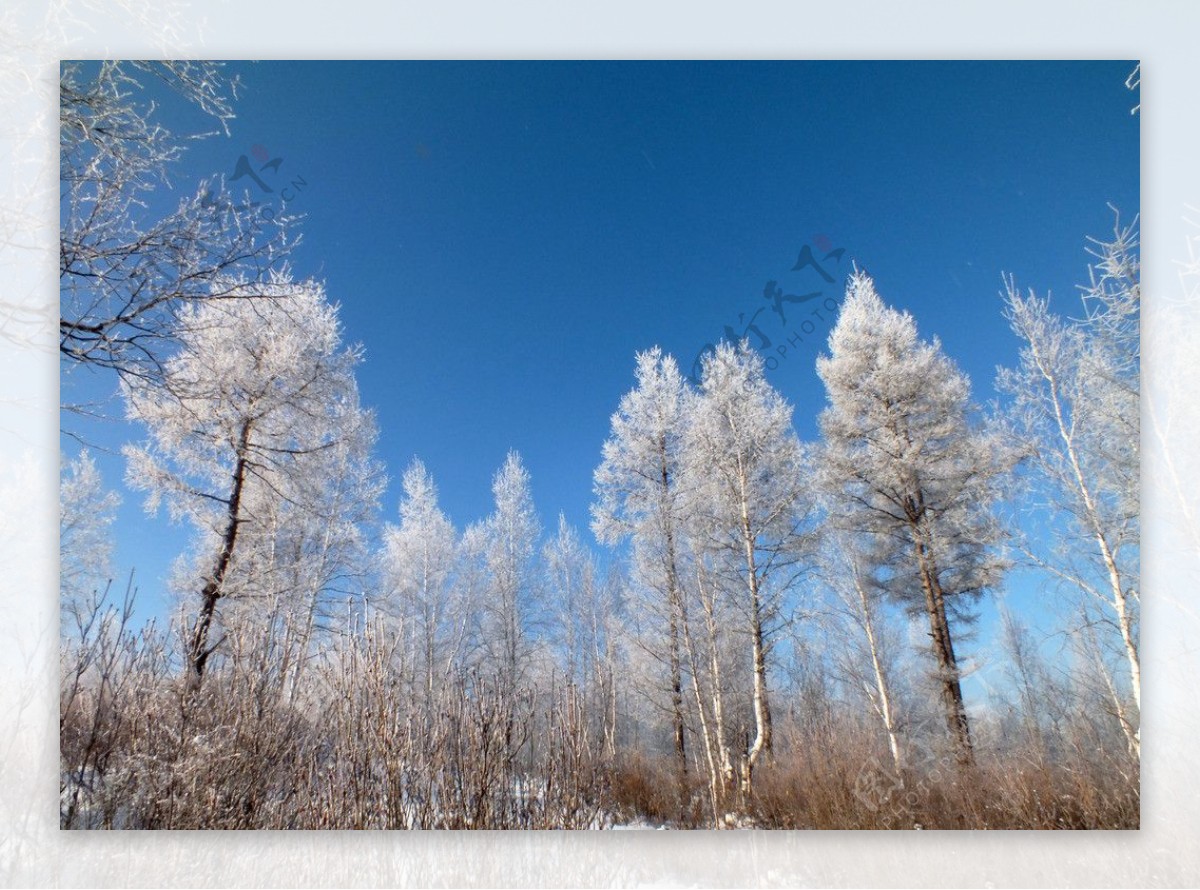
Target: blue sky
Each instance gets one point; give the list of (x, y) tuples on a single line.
[(504, 236)]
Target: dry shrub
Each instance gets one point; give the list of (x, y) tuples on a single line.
[(643, 788), (646, 788), (349, 745), (990, 795)]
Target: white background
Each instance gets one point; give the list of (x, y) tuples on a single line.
[(34, 36)]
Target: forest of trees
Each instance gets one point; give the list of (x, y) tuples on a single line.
[(769, 632)]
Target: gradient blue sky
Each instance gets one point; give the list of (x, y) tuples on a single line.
[(504, 236)]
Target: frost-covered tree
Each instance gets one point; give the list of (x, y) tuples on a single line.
[(638, 498), (1075, 397), (582, 608), (254, 422), (418, 566), (570, 593), (85, 546), (749, 503), (910, 469), (867, 654), (714, 644), (127, 265), (312, 558), (471, 585), (511, 534)]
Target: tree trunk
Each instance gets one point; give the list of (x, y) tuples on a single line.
[(199, 650), (718, 700), (761, 703), (886, 711), (677, 708), (1119, 599), (714, 775), (943, 648), (1132, 733), (678, 615)]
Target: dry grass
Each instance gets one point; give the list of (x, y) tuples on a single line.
[(348, 747)]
